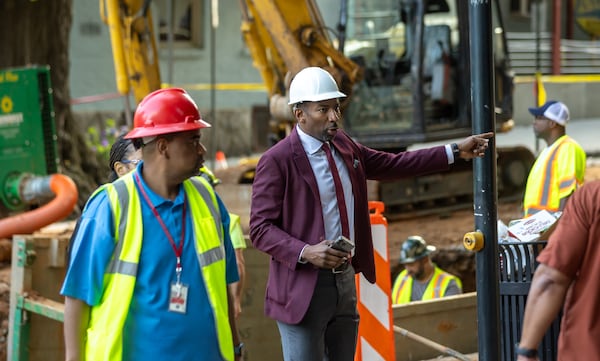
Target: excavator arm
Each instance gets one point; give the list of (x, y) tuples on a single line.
[(283, 38), (133, 46)]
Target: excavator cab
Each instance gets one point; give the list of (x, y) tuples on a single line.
[(415, 58)]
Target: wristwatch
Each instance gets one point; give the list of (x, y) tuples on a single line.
[(455, 150), (237, 350), (527, 352)]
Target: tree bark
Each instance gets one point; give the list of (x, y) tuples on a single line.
[(37, 33)]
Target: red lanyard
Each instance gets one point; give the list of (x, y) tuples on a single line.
[(178, 249)]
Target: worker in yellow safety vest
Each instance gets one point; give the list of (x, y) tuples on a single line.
[(560, 167), (151, 256), (239, 245), (421, 279)]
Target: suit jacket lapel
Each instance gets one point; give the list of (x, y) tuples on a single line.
[(302, 163)]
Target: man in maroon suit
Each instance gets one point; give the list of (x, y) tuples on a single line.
[(310, 189)]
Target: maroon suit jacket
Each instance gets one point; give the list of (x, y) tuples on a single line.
[(286, 212)]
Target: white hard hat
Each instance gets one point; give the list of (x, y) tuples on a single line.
[(313, 84)]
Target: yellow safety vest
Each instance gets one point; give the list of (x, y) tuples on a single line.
[(235, 232), (556, 173), (104, 335), (436, 287)]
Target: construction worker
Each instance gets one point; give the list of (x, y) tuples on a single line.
[(239, 245), (560, 167), (151, 256), (421, 279), (123, 157)]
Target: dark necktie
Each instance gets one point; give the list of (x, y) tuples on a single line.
[(339, 191)]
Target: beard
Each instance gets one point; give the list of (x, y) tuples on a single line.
[(419, 273)]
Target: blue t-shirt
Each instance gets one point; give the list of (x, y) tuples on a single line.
[(151, 332)]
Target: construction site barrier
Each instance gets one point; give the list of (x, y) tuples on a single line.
[(375, 330)]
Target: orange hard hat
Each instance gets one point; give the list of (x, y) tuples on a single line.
[(164, 111)]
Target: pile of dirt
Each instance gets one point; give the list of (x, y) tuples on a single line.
[(446, 232)]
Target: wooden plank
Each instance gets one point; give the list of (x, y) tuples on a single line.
[(45, 307), (450, 321), (258, 332)]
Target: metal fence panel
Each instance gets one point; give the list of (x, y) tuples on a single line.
[(576, 56), (517, 266)]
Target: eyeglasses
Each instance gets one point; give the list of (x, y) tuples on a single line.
[(131, 161)]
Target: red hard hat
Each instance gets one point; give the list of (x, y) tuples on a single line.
[(164, 111)]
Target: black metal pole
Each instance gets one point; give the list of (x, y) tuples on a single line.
[(538, 60), (484, 181), (341, 28), (416, 70)]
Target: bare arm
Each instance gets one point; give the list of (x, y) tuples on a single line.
[(232, 323), (546, 296), (238, 287), (76, 317)]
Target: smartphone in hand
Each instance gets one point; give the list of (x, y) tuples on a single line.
[(343, 244)]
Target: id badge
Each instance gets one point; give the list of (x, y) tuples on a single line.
[(178, 298)]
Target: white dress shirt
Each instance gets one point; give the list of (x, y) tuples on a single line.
[(320, 166)]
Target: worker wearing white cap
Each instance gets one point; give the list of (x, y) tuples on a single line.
[(560, 167)]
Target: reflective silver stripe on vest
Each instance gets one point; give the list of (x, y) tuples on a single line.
[(211, 256), (437, 289), (545, 198), (399, 291), (116, 264), (215, 254)]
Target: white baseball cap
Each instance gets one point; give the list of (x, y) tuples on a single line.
[(553, 110)]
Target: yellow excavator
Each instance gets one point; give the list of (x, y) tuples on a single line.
[(404, 63), (133, 46)]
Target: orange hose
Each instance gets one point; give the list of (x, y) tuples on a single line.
[(60, 207)]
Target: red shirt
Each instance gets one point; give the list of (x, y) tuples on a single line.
[(574, 249)]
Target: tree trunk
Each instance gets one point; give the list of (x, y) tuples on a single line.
[(37, 32)]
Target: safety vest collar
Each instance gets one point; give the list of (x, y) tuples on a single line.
[(436, 287)]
